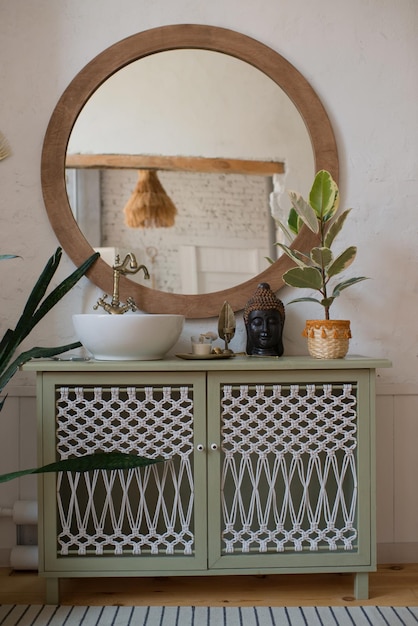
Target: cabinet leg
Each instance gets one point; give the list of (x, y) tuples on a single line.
[(52, 591), (361, 586)]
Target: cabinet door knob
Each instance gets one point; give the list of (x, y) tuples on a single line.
[(200, 447), (214, 446)]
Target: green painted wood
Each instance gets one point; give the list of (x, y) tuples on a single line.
[(207, 378), (237, 363), (361, 586), (51, 560), (365, 553), (52, 591)]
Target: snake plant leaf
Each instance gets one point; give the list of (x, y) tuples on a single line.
[(335, 228), (305, 211), (308, 277), (324, 196), (87, 463), (342, 261), (347, 283), (322, 257), (7, 338), (299, 258), (34, 309), (64, 287), (39, 290), (32, 313), (34, 353), (9, 256)]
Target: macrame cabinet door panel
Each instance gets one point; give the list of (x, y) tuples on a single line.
[(143, 512), (289, 470)]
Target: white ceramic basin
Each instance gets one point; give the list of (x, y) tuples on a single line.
[(128, 337)]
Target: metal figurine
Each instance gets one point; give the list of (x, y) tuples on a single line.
[(226, 326)]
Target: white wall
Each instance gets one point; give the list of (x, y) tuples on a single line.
[(361, 58)]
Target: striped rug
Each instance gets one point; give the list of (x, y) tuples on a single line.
[(48, 615)]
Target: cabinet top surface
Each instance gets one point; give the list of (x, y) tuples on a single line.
[(237, 363)]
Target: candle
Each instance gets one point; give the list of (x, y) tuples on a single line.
[(201, 345)]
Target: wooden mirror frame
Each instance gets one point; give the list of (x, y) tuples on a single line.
[(114, 58)]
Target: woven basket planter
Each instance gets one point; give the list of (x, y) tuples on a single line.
[(327, 339)]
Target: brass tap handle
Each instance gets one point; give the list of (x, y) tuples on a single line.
[(115, 307)]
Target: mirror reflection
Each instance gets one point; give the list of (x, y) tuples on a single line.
[(194, 104)]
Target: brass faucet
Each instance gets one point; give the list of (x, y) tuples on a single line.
[(115, 307)]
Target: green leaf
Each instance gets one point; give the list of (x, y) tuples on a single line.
[(33, 353), (12, 339), (326, 302), (87, 463), (294, 221), (298, 257), (284, 229), (7, 338), (9, 256), (305, 300), (24, 326), (324, 196), (303, 277), (347, 283), (322, 257), (64, 287), (305, 211), (343, 261), (335, 228), (39, 290), (31, 314)]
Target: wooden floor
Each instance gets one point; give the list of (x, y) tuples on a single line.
[(391, 585)]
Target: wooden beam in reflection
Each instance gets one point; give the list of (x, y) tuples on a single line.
[(175, 163)]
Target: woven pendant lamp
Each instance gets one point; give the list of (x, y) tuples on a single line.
[(149, 206)]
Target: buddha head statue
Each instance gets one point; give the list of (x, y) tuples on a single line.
[(264, 320)]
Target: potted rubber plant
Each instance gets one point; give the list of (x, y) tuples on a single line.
[(319, 268), (37, 306)]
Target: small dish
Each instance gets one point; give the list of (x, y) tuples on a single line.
[(204, 356)]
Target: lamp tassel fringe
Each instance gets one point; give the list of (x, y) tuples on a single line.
[(149, 205)]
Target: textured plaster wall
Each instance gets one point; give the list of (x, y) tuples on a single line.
[(361, 58)]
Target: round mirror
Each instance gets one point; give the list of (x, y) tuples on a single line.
[(206, 117), (143, 46)]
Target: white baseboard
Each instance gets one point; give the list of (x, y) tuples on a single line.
[(397, 553)]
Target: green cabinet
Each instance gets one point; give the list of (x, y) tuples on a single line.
[(269, 467)]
